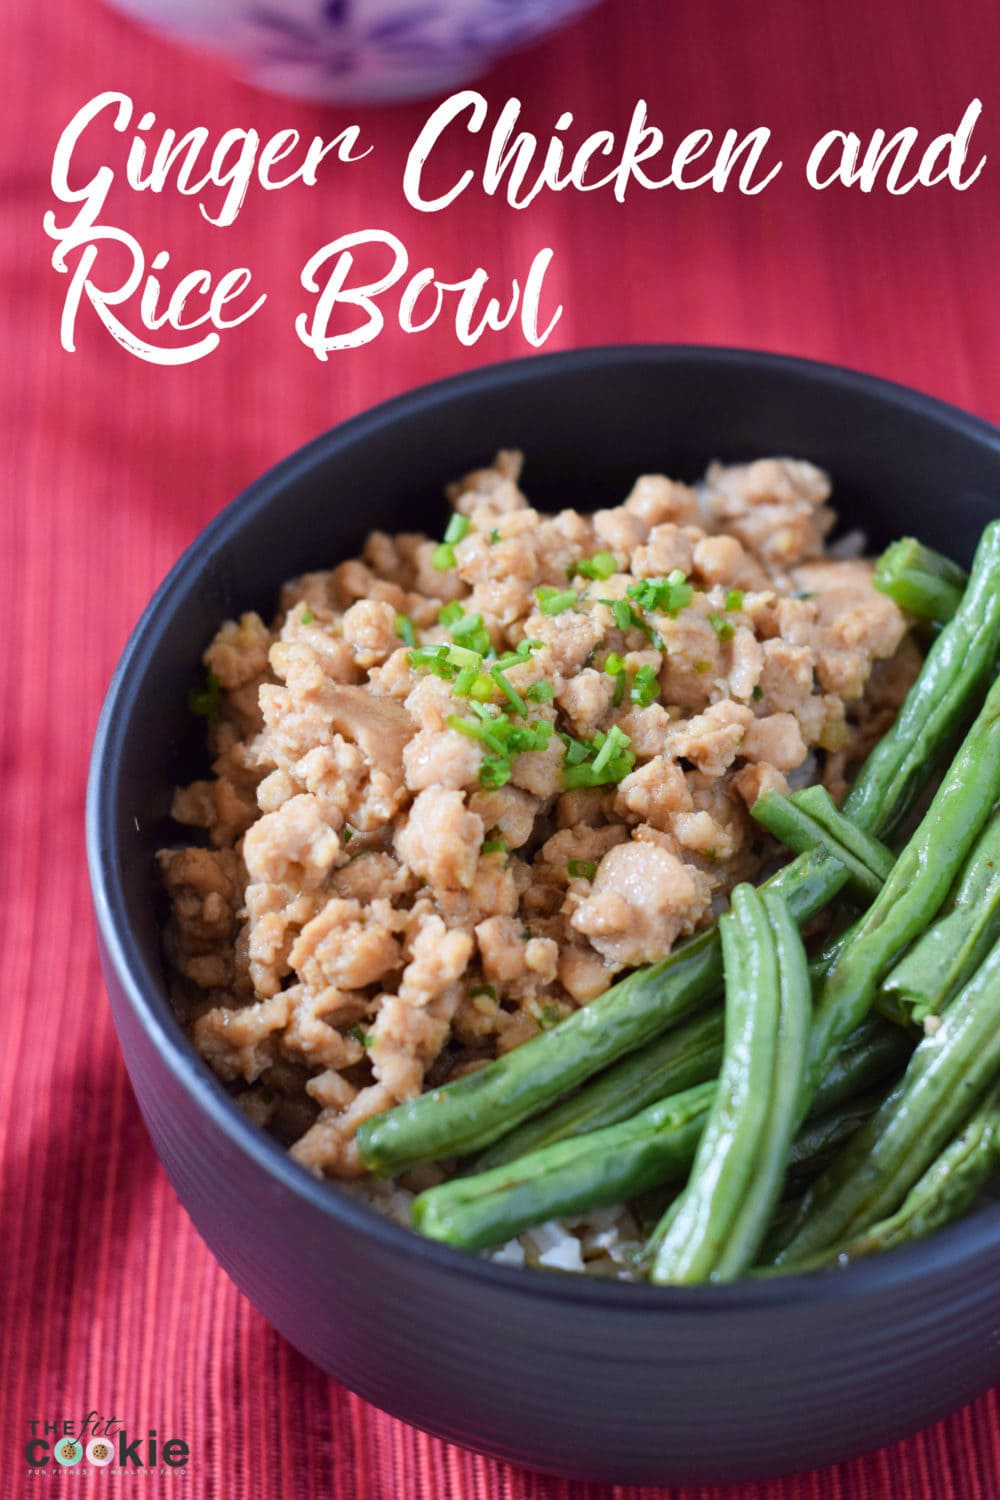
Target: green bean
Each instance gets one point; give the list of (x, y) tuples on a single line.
[(912, 895), (949, 1072), (739, 1170), (949, 952), (746, 1234), (476, 1110), (871, 852), (687, 1055), (958, 665), (872, 1053), (788, 821), (820, 1138), (679, 1059), (920, 580), (479, 1108), (609, 1165), (946, 1191), (729, 1148), (823, 962), (590, 1171)]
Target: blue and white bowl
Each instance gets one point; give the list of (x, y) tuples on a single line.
[(357, 51)]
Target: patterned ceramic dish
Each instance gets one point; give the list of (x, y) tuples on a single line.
[(357, 51)]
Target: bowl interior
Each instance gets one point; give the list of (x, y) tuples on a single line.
[(589, 423)]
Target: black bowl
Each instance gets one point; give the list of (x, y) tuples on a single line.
[(592, 1379)]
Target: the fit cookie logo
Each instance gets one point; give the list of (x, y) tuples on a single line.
[(97, 1442)]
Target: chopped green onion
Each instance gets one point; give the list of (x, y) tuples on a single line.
[(494, 536), (667, 595), (509, 691), (614, 664), (307, 618), (206, 701), (601, 565), (803, 594), (624, 615), (550, 1016), (465, 681), (734, 599), (458, 527), (494, 773), (449, 613), (520, 656), (576, 750), (602, 761), (461, 656), (581, 869), (405, 631), (494, 846), (476, 731), (358, 1035), (723, 628), (540, 692), (701, 667), (612, 742), (645, 686), (757, 693), (470, 631), (483, 989), (443, 557), (348, 833), (434, 658), (534, 736), (552, 602)]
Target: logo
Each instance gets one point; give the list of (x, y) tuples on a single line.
[(54, 1446)]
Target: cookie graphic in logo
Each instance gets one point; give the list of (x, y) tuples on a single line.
[(67, 1452), (100, 1452)]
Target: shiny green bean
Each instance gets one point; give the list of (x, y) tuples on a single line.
[(947, 1190), (585, 1172), (729, 1150), (920, 580), (795, 827), (947, 1075), (760, 1198), (949, 952), (871, 852), (687, 1055), (914, 892), (958, 666)]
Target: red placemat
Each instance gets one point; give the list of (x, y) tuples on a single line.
[(109, 1300)]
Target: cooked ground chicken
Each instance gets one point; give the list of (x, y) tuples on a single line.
[(412, 863)]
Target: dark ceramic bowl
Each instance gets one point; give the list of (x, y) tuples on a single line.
[(592, 1379)]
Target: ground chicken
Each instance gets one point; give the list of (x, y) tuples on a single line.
[(440, 839), (643, 899), (375, 902)]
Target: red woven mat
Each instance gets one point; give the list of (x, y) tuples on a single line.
[(109, 1301)]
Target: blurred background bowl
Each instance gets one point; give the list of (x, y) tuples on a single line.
[(357, 51), (582, 1377)]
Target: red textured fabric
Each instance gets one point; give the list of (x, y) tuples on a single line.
[(108, 1299)]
